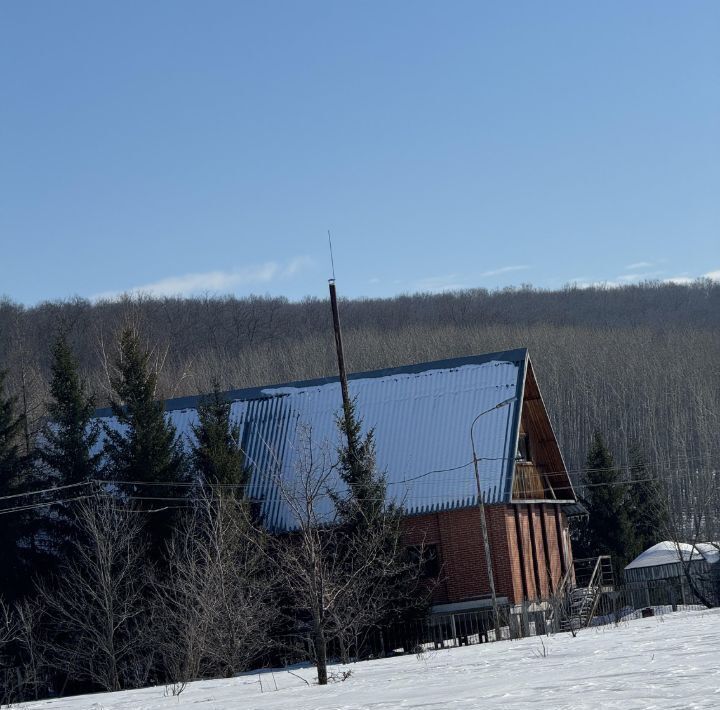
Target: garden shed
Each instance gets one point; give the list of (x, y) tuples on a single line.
[(667, 561)]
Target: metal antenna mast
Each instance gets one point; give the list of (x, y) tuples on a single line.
[(332, 261)]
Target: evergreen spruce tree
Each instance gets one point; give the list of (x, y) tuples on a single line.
[(608, 530), (71, 436), (146, 447), (647, 507), (216, 454), (365, 501), (393, 587), (12, 466), (67, 446)]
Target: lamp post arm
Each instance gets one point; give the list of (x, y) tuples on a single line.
[(500, 405)]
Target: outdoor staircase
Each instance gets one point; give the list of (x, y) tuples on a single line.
[(580, 609), (578, 602)]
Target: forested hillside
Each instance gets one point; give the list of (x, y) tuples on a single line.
[(640, 363), (164, 574)]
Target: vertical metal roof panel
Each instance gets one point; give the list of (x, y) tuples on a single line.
[(421, 417)]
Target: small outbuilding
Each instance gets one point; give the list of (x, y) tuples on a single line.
[(666, 563)]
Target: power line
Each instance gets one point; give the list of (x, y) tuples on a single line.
[(45, 490), (428, 497), (192, 499), (243, 486), (34, 506), (415, 480)]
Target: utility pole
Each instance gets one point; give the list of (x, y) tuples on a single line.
[(347, 409), (483, 521)]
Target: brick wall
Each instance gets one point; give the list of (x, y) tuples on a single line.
[(520, 563)]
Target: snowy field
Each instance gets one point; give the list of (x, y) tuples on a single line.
[(662, 662)]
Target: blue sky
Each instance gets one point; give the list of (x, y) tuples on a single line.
[(192, 147)]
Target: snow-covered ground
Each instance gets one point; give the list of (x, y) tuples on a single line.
[(662, 662)]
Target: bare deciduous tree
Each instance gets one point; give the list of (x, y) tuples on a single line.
[(336, 580), (307, 558), (30, 647), (8, 634), (215, 604), (388, 581), (97, 606), (692, 516)]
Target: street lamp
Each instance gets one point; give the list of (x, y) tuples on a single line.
[(483, 522)]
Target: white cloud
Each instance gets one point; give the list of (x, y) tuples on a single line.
[(299, 263), (213, 281), (640, 265), (680, 280), (457, 282), (647, 264), (617, 282), (645, 276), (437, 284), (625, 279), (505, 270), (595, 284), (685, 279)]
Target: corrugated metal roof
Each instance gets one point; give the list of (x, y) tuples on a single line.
[(421, 416), (575, 510), (668, 552)]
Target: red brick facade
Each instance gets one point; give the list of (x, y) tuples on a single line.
[(529, 546)]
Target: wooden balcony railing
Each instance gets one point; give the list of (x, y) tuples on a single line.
[(529, 482)]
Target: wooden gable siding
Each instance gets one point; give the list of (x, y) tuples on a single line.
[(545, 477)]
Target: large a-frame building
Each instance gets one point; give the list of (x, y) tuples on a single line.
[(422, 417)]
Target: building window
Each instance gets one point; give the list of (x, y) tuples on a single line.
[(427, 556), (523, 452)]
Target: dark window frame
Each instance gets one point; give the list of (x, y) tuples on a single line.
[(524, 450), (430, 559)]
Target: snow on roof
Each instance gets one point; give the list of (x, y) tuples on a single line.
[(710, 551), (667, 553), (421, 416)]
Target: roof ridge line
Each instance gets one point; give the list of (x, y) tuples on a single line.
[(260, 392)]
